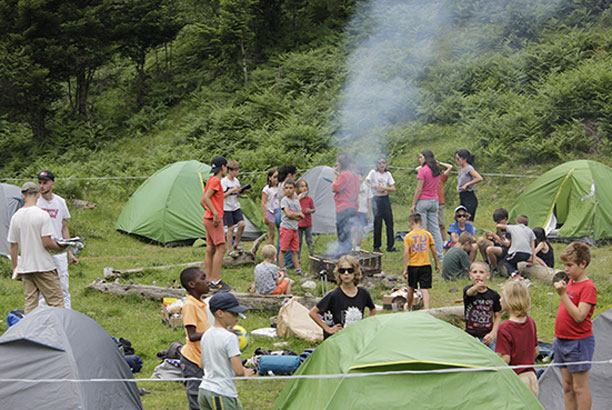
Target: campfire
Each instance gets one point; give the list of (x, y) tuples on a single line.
[(370, 262)]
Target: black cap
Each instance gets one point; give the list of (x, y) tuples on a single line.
[(227, 302), (46, 175), (217, 164)]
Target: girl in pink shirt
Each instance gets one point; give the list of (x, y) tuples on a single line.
[(425, 201)]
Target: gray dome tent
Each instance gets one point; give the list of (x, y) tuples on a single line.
[(551, 386), (10, 202), (319, 181), (54, 344)]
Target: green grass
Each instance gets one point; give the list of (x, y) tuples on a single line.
[(139, 320)]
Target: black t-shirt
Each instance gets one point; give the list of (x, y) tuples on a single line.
[(479, 311), (336, 307), (548, 258)]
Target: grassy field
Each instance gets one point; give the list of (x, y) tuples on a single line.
[(138, 319)]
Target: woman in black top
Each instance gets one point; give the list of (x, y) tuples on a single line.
[(543, 250)]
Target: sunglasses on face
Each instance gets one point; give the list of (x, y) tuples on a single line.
[(461, 215), (346, 270)]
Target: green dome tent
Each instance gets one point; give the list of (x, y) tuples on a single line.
[(573, 200), (166, 207), (404, 341)]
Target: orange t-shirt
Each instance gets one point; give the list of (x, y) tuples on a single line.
[(194, 314), (214, 183), (418, 242)]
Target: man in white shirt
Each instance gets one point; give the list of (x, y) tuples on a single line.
[(30, 234), (56, 207)]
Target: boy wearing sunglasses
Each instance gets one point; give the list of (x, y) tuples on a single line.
[(346, 304), (460, 225)]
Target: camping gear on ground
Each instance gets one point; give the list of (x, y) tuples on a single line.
[(10, 202), (551, 386), (172, 353), (134, 361), (168, 369), (370, 262), (166, 207), (53, 344), (265, 332), (14, 316), (273, 365), (306, 354), (573, 200), (319, 181), (404, 341), (243, 336), (293, 318)]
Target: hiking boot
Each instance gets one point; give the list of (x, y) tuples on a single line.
[(220, 287), (392, 250), (377, 250)]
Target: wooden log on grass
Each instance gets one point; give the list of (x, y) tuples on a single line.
[(253, 301), (446, 312), (542, 273)]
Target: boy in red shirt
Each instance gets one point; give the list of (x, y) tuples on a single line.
[(308, 208), (212, 201), (574, 340)]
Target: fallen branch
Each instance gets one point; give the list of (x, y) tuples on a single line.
[(542, 273), (253, 301), (446, 312)]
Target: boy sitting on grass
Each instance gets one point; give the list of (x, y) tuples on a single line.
[(195, 321), (456, 263), (268, 279), (482, 308), (522, 244), (574, 340), (221, 356), (418, 244)]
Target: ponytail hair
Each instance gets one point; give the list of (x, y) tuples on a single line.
[(466, 155), (431, 162)]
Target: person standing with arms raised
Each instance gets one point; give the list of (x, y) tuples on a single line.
[(381, 181), (346, 192), (467, 178), (56, 207)]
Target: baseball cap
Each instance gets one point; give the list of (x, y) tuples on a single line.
[(227, 302), (29, 188), (46, 175), (217, 163), (460, 208)]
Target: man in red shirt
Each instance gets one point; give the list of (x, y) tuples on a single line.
[(346, 192)]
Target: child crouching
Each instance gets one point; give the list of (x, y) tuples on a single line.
[(517, 338), (268, 279)]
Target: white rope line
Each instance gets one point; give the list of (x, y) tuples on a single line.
[(316, 376), (488, 174)]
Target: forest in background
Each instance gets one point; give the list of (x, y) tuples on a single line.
[(107, 88)]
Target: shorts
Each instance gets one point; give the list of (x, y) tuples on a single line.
[(419, 275), (214, 234), (361, 219), (531, 381), (281, 288), (231, 218), (271, 216), (289, 240), (574, 350), (213, 401)]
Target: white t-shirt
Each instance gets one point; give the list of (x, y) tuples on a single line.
[(272, 196), (27, 227), (365, 193), (218, 346), (384, 179), (521, 237), (57, 210), (230, 202)]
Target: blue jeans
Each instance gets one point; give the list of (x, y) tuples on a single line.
[(428, 209)]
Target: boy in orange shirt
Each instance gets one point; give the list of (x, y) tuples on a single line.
[(195, 321), (418, 244), (212, 201)]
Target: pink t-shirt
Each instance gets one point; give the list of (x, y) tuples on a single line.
[(430, 183)]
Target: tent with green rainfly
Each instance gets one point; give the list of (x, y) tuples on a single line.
[(573, 200), (398, 342), (166, 207)]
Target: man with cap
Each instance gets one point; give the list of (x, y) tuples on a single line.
[(30, 233), (56, 207), (212, 202), (221, 355)]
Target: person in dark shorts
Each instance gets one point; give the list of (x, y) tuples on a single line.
[(418, 244)]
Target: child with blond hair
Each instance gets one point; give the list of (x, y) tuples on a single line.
[(268, 279), (517, 338)]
